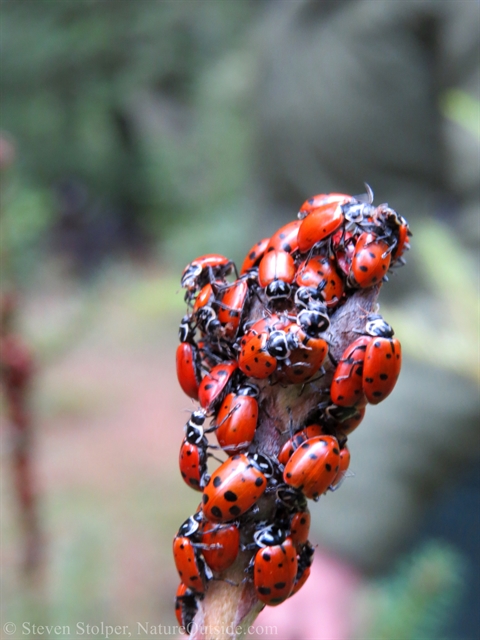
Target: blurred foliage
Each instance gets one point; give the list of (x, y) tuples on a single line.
[(432, 329), (418, 600), (462, 108), (134, 100)]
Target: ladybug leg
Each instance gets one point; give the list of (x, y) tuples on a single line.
[(210, 455)]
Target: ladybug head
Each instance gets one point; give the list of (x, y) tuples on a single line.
[(291, 498), (311, 297), (197, 418), (340, 414), (190, 526), (376, 326), (248, 389), (263, 464), (190, 276), (185, 332), (313, 322), (277, 290), (269, 536), (277, 345)]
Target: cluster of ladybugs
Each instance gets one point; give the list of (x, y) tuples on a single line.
[(295, 280)]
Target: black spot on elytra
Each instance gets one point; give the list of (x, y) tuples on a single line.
[(369, 380), (377, 394), (363, 268), (312, 456), (264, 591), (222, 372), (209, 386), (205, 498), (336, 451), (230, 496), (235, 510), (217, 481), (258, 482), (280, 585), (217, 512), (388, 356), (328, 467), (266, 556), (252, 255), (384, 376)]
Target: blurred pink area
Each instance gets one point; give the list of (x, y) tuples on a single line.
[(325, 608)]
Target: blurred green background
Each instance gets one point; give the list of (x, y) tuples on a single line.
[(130, 148)]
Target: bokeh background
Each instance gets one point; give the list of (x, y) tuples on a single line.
[(138, 135)]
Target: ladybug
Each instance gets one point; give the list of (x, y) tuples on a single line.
[(305, 361), (206, 296), (343, 468), (254, 360), (214, 384), (254, 256), (313, 466), (346, 419), (305, 559), (205, 269), (237, 420), (190, 564), (186, 606), (383, 360), (285, 239), (300, 528), (188, 368), (220, 544), (193, 465), (347, 385), (370, 261), (275, 570), (276, 273), (322, 222), (322, 199), (193, 452), (297, 439), (235, 486), (343, 247), (232, 304), (394, 225), (320, 272), (402, 243)]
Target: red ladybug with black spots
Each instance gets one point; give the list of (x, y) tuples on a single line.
[(235, 487)]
